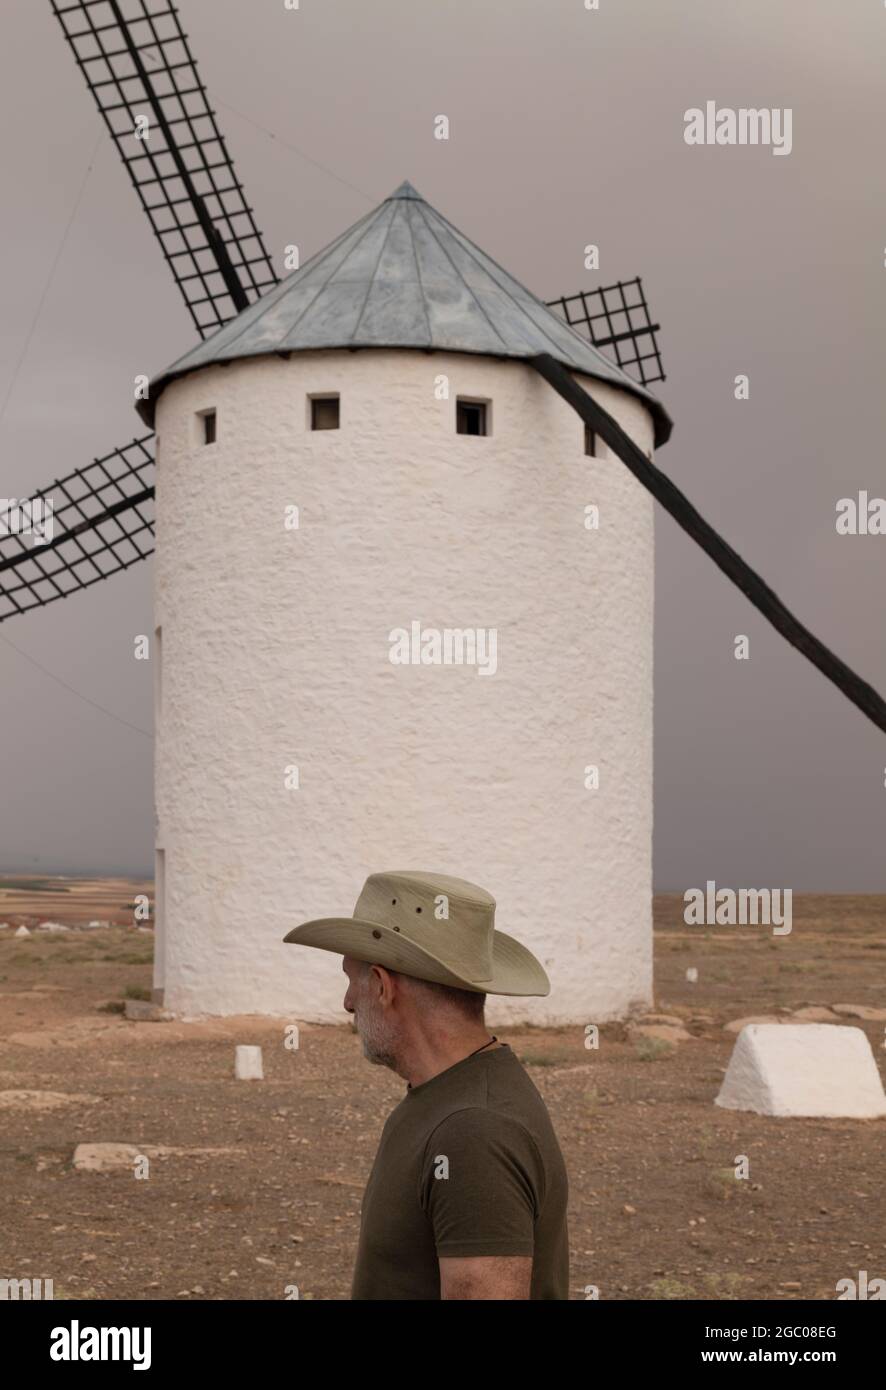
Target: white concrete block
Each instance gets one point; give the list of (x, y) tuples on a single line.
[(819, 1069), (247, 1064)]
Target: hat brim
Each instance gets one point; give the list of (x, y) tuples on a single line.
[(515, 970)]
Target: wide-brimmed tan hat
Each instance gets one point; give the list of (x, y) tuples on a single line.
[(433, 927)]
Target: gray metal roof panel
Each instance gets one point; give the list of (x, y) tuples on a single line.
[(403, 276), (394, 315)]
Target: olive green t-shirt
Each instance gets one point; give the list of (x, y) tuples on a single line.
[(468, 1164)]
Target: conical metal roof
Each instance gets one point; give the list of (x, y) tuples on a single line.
[(403, 277)]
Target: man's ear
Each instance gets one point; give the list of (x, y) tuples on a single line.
[(384, 981)]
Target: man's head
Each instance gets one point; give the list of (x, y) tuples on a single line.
[(395, 1014)]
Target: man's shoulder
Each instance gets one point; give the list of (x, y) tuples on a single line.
[(476, 1118), (494, 1097), (472, 1129)]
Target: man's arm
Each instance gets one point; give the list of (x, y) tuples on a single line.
[(486, 1276), (482, 1203)]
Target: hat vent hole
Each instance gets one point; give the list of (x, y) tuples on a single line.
[(377, 935), (418, 909), (393, 902)]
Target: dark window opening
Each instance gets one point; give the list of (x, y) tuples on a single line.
[(470, 417), (208, 418), (324, 412), (590, 442)]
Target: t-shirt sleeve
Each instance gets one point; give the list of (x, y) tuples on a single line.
[(482, 1185)]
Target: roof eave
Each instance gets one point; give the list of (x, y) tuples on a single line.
[(662, 422)]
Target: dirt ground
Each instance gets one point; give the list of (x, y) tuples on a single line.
[(260, 1185)]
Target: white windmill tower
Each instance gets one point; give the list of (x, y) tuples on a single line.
[(443, 493)]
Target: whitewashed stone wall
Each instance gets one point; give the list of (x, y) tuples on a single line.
[(275, 651)]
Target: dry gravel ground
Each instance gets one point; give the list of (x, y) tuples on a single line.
[(262, 1188)]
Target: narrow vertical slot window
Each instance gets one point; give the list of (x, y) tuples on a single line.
[(208, 433)]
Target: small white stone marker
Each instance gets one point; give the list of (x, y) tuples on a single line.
[(815, 1069), (247, 1064), (23, 931)]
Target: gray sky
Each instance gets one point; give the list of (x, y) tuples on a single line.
[(566, 128)]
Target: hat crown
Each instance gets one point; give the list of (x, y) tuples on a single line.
[(443, 914)]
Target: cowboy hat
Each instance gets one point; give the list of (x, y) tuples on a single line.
[(433, 927)]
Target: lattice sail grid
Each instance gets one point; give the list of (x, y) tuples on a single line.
[(137, 64), (615, 318), (102, 521)]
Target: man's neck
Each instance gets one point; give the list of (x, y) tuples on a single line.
[(428, 1058)]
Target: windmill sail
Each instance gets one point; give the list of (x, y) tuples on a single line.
[(139, 68), (137, 63), (677, 504), (102, 522), (616, 319)]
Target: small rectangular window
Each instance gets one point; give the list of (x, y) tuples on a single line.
[(324, 412), (208, 418), (471, 417), (590, 442)]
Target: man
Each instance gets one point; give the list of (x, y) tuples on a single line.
[(467, 1196)]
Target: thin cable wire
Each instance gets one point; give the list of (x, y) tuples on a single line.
[(80, 696), (295, 150), (49, 278)]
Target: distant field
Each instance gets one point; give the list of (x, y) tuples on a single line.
[(70, 900)]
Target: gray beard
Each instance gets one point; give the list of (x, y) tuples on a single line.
[(379, 1057), (378, 1052)]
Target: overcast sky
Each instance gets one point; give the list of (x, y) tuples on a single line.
[(566, 128)]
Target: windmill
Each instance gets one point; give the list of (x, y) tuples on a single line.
[(250, 380), (137, 62)]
